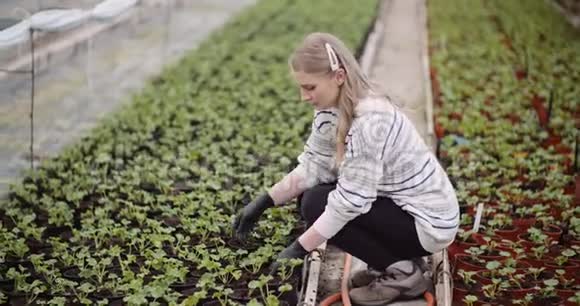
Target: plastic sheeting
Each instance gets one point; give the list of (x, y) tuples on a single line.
[(60, 20), (15, 34), (111, 8)]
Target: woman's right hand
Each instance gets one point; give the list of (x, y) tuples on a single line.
[(250, 214)]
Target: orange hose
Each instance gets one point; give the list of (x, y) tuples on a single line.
[(331, 299), (345, 277), (429, 298), (343, 295)]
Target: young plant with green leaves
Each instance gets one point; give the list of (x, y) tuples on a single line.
[(536, 272), (493, 291), (270, 296), (228, 274), (47, 268), (470, 299), (549, 289), (575, 298), (222, 295), (526, 301), (467, 277), (564, 257), (287, 267)]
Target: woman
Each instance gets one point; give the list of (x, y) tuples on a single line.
[(366, 181)]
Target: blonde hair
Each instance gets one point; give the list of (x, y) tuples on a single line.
[(312, 57)]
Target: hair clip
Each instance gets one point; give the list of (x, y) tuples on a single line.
[(332, 57)]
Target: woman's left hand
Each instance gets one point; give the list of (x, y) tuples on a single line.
[(294, 250)]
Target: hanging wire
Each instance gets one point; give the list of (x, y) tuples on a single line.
[(32, 89)]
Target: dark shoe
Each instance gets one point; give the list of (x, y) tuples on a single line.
[(402, 280), (363, 277)]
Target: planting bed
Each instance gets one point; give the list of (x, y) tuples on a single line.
[(505, 81), (139, 212)]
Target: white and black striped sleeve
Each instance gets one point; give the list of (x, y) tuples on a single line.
[(318, 158)]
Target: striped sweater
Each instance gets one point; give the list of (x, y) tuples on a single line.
[(385, 156)]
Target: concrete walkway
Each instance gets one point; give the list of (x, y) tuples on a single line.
[(398, 68), (76, 88)]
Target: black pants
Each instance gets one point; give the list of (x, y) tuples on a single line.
[(381, 237)]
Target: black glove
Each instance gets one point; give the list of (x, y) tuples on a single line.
[(295, 250), (249, 215)]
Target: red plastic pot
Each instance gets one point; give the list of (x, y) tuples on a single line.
[(459, 294), (459, 247), (539, 263), (514, 293), (571, 269), (517, 294), (576, 261), (523, 223), (462, 264), (482, 278), (522, 266), (553, 231), (511, 234), (526, 244), (556, 212), (565, 294)]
